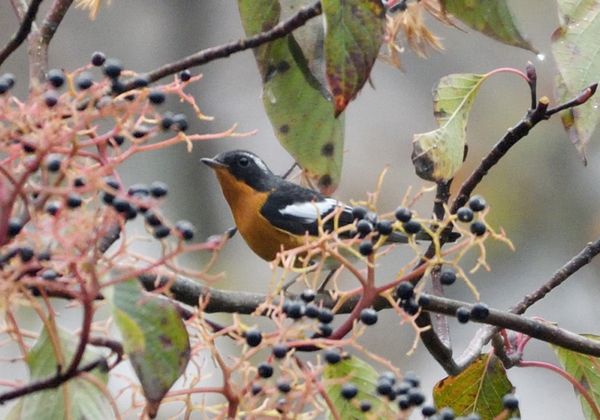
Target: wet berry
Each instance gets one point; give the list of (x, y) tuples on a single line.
[(365, 248), (112, 68), (161, 231), (411, 227), (464, 214), (158, 189), (349, 391), (280, 350), (294, 309), (73, 200), (478, 228), (56, 77), (364, 227), (447, 277), (510, 402), (140, 82), (50, 98), (403, 214), (384, 227), (325, 315), (479, 311), (404, 291), (253, 338), (368, 316), (308, 295), (477, 203), (52, 208), (98, 58), (365, 405), (26, 254), (156, 97), (312, 311), (265, 370), (185, 75), (332, 356), (463, 314), (84, 81), (186, 229), (359, 213), (180, 122), (53, 163), (283, 385), (428, 410), (14, 226), (325, 330), (152, 219)]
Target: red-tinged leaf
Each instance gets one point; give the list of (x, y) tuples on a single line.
[(478, 389), (353, 35)]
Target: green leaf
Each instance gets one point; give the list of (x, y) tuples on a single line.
[(360, 373), (586, 370), (353, 36), (492, 18), (478, 389), (298, 106), (575, 50), (154, 338), (438, 154), (76, 399)]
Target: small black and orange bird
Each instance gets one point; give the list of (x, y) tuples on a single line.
[(274, 214)]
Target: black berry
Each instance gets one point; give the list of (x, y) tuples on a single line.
[(477, 203), (158, 189), (384, 387), (253, 338), (73, 200), (478, 228), (368, 316), (98, 58), (411, 227), (185, 75), (51, 98), (117, 139), (403, 402), (152, 219), (283, 385), (403, 214), (280, 350), (84, 81), (186, 229), (121, 205), (447, 277), (138, 189), (404, 291), (180, 122), (332, 356), (140, 82), (167, 121), (411, 378), (161, 231), (463, 314), (295, 309), (479, 311), (510, 402), (365, 405), (113, 68), (464, 214), (364, 227), (349, 391), (52, 208), (156, 97), (325, 315), (415, 397), (410, 306), (428, 410), (265, 370), (14, 226), (53, 163), (308, 295), (359, 213), (56, 77), (365, 248), (26, 254), (325, 330), (446, 413), (79, 182), (312, 311), (385, 227), (256, 389)]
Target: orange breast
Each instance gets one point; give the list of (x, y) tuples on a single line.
[(245, 203)]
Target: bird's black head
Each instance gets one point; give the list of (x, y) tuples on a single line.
[(244, 166)]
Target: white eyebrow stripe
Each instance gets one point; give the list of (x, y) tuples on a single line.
[(257, 161), (310, 211)]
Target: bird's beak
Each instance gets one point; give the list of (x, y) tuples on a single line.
[(215, 164)]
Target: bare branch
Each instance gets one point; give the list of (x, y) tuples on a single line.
[(21, 34), (222, 51)]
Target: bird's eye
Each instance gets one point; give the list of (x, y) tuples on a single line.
[(243, 161)]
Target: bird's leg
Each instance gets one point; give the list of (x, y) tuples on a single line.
[(327, 278)]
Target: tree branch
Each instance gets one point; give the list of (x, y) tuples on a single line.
[(222, 51), (24, 30)]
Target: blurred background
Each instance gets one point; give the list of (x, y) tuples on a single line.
[(542, 195)]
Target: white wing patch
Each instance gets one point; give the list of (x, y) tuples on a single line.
[(309, 212)]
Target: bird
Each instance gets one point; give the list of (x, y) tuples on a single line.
[(273, 214)]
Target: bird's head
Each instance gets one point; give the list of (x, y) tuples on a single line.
[(244, 166)]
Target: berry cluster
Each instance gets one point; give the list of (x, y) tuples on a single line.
[(467, 214)]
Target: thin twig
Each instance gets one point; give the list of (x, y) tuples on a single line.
[(21, 34), (222, 51)]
